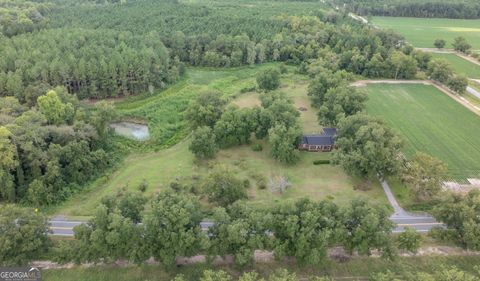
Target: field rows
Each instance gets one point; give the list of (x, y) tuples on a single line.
[(431, 122)]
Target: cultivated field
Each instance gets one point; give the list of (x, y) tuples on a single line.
[(161, 168), (432, 122), (422, 32), (461, 65)]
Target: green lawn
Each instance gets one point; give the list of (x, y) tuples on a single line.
[(355, 269), (160, 168), (460, 65), (432, 122), (422, 32)]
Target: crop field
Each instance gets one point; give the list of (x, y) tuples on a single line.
[(432, 122), (164, 166), (461, 65), (422, 32)]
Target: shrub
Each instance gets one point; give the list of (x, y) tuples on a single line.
[(257, 147), (143, 185), (321, 162)]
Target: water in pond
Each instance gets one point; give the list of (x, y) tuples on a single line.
[(131, 130)]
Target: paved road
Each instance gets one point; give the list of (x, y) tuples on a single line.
[(403, 219), (422, 223), (473, 91)]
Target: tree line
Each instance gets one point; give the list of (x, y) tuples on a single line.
[(17, 16), (168, 226), (91, 64), (466, 9), (51, 148)]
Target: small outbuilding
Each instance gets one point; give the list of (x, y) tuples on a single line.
[(323, 142)]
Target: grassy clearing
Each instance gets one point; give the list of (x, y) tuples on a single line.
[(162, 167), (355, 269), (460, 65), (431, 122), (422, 32)]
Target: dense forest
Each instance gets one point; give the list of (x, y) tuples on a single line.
[(91, 63), (465, 9), (18, 16)]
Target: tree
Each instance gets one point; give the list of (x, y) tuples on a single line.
[(239, 230), (440, 70), (107, 237), (23, 235), (210, 275), (366, 227), (439, 43), (172, 227), (8, 161), (223, 187), (339, 103), (104, 114), (323, 82), (460, 214), (458, 83), (366, 147), (305, 230), (409, 240), (268, 79), (205, 110), (235, 126), (203, 143), (283, 143), (54, 109), (460, 44), (424, 175), (129, 204), (402, 66)]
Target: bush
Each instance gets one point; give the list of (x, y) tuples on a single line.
[(283, 69), (262, 183), (248, 89), (143, 185), (257, 147), (321, 162), (246, 183)]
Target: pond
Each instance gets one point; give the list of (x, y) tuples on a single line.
[(131, 130)]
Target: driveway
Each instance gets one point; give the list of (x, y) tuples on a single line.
[(403, 219)]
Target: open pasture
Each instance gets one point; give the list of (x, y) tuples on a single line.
[(432, 122), (422, 32)]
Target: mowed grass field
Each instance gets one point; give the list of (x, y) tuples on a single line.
[(432, 122), (460, 65), (164, 166), (422, 32)]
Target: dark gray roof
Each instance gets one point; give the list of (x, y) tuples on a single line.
[(317, 140), (327, 137), (330, 131)]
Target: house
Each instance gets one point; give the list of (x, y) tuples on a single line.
[(323, 142)]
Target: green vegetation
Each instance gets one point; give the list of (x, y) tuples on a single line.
[(161, 168), (431, 122), (424, 32), (360, 268), (460, 65), (460, 9), (24, 235)]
